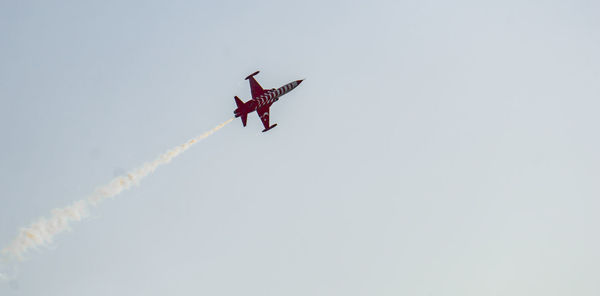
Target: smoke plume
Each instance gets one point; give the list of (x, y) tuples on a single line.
[(42, 232)]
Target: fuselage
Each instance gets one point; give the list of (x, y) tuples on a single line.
[(267, 98)]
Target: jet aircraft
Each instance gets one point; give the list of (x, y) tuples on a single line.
[(261, 101)]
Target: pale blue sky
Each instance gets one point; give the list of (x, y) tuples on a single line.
[(435, 148)]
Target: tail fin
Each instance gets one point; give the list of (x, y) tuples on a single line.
[(240, 111)]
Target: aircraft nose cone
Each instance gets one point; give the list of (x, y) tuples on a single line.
[(299, 81)]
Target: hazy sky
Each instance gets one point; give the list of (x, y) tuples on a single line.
[(435, 148)]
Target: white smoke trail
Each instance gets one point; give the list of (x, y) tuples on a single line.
[(8, 270), (43, 231), (3, 271)]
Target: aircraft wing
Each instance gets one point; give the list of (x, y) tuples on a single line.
[(263, 113), (255, 88)]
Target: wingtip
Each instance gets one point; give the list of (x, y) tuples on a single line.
[(267, 129), (248, 77)]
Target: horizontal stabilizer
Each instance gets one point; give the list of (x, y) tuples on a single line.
[(239, 102), (241, 110)]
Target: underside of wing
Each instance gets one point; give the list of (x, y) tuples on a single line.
[(255, 88), (263, 113)]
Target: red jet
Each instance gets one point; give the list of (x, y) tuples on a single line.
[(261, 101)]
